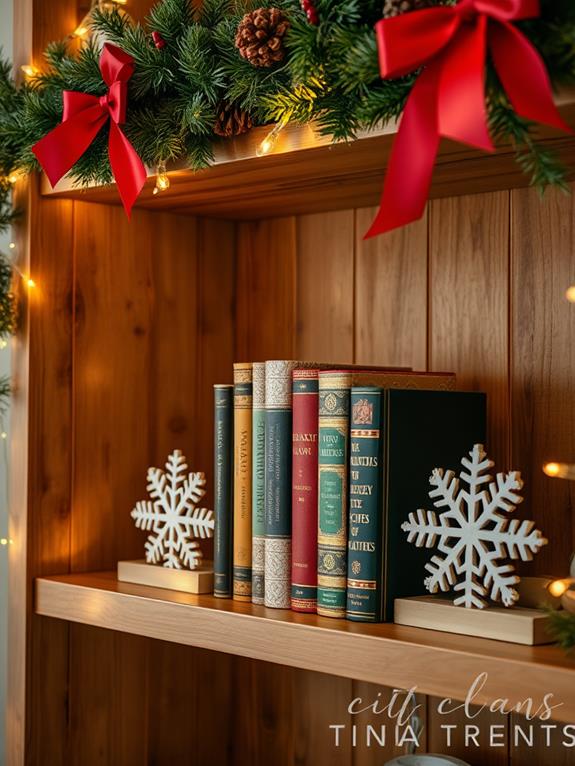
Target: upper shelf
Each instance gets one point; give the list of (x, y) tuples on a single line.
[(436, 663), (306, 174)]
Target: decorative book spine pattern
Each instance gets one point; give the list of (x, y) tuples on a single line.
[(243, 482), (223, 501), (334, 394), (304, 490), (278, 483), (364, 549), (258, 482)]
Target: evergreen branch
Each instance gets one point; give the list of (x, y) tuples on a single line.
[(5, 393), (561, 627), (540, 164)]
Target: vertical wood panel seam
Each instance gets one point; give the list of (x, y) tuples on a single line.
[(510, 235), (354, 289), (428, 287)]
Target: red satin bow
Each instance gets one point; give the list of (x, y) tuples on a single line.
[(448, 98), (84, 115)]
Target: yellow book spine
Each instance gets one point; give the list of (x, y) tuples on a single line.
[(242, 482)]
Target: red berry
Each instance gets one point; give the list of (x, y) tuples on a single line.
[(159, 41)]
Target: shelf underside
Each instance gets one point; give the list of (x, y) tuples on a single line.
[(307, 174), (436, 663)]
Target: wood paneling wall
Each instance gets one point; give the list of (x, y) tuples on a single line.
[(131, 326)]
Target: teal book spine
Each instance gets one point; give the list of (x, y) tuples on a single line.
[(223, 489), (278, 448), (334, 396), (364, 546), (258, 483)]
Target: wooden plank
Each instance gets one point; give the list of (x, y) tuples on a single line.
[(543, 365), (39, 520), (391, 295), (108, 681), (394, 716), (266, 274), (544, 743), (474, 734), (305, 174), (392, 655), (325, 279), (112, 393), (320, 701), (469, 294)]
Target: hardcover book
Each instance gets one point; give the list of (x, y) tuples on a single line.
[(333, 494), (304, 490), (258, 482), (278, 482), (397, 438), (278, 479), (242, 583), (223, 484)]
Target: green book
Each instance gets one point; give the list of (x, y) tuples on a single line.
[(334, 396), (364, 545), (397, 439), (278, 442), (223, 488), (258, 482)]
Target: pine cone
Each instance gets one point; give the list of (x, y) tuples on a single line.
[(260, 36), (397, 7), (231, 121)]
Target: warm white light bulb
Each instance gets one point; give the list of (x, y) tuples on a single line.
[(560, 470), (570, 294), (29, 70), (162, 179)]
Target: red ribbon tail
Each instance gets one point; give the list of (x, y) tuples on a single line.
[(524, 76), (127, 167), (410, 168), (60, 149), (462, 114)]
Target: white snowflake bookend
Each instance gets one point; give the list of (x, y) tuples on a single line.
[(172, 515), (472, 535)]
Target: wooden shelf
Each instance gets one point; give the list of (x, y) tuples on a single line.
[(306, 173), (392, 655)]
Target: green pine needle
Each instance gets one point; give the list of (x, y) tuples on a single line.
[(561, 627)]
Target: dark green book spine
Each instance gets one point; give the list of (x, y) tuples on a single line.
[(364, 547), (334, 393), (278, 459), (223, 489)]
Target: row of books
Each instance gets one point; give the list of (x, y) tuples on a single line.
[(315, 470)]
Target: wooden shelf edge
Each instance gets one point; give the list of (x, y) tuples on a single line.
[(308, 173), (439, 664)]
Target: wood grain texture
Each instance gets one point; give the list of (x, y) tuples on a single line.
[(469, 294), (307, 174), (39, 521), (391, 722), (543, 365), (325, 280), (265, 293), (394, 655), (112, 383), (391, 295)]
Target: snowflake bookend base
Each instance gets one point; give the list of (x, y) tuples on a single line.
[(172, 516), (472, 536)]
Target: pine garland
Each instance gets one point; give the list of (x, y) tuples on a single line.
[(11, 147), (330, 76), (561, 627)]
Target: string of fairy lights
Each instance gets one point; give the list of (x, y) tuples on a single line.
[(83, 32)]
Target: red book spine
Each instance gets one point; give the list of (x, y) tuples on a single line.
[(304, 490)]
